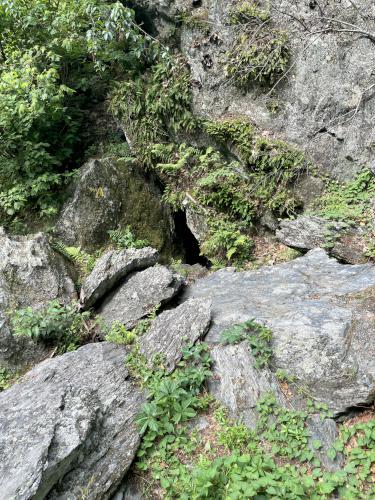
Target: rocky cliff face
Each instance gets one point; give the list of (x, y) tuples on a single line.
[(181, 376), (323, 101)]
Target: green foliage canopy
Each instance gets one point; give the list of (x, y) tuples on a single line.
[(56, 58)]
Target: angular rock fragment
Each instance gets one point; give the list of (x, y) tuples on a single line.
[(325, 431), (109, 193), (308, 232), (237, 384), (139, 295), (111, 268), (174, 329)]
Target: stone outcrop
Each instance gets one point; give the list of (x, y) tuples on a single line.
[(172, 330), (69, 426), (109, 193), (139, 295), (31, 275), (321, 316), (308, 232), (111, 268)]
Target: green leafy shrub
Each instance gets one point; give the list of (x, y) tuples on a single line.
[(154, 104), (173, 398), (56, 58), (53, 324), (226, 244), (257, 335), (124, 238)]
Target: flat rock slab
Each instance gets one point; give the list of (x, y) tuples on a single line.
[(321, 314), (238, 384), (71, 419), (139, 294), (172, 330), (111, 268), (31, 275)]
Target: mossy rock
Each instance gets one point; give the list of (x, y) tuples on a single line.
[(112, 193)]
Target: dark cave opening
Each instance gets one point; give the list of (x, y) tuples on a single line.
[(187, 241)]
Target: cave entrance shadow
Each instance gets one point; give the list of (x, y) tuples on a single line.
[(187, 241)]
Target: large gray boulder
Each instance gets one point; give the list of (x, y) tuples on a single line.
[(308, 232), (112, 267), (238, 384), (31, 275), (68, 427), (139, 295), (174, 329), (109, 193), (321, 314)]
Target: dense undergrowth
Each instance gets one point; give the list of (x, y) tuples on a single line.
[(224, 459)]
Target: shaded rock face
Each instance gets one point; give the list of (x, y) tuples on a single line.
[(71, 419), (325, 104), (109, 193), (31, 274), (111, 268), (310, 232), (238, 384), (197, 223), (139, 295), (172, 330), (321, 317)]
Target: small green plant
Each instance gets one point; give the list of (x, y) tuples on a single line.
[(349, 202), (196, 20), (124, 238), (178, 267), (257, 335), (118, 334), (284, 376), (84, 261), (7, 378), (246, 11), (55, 323)]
